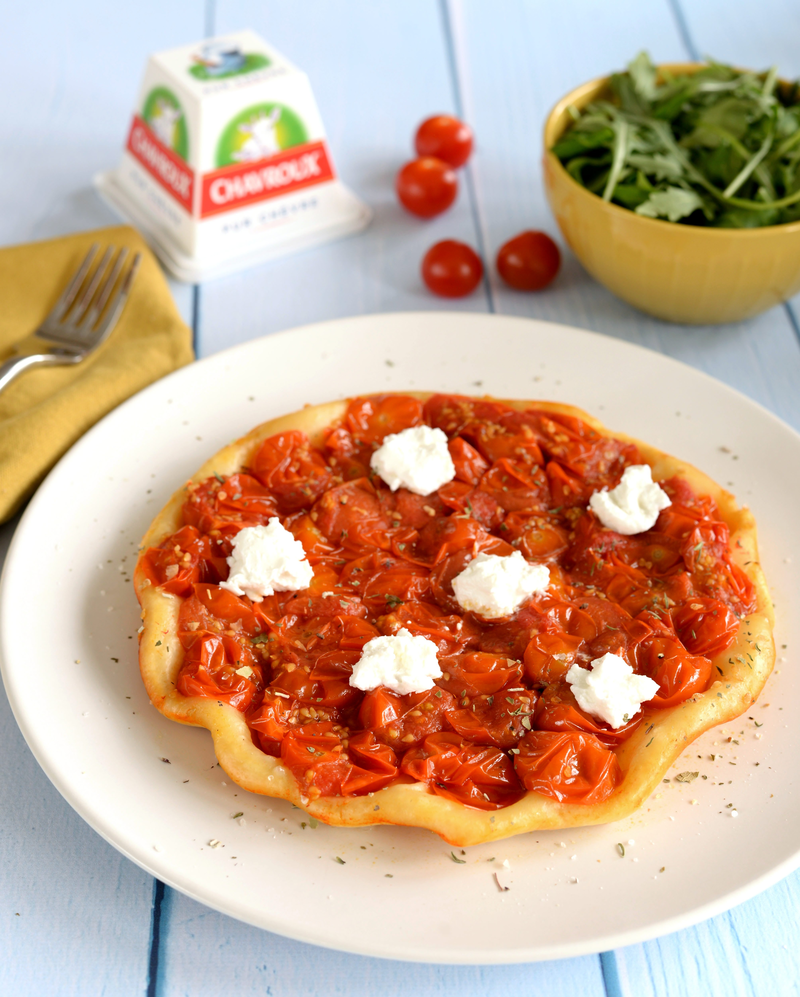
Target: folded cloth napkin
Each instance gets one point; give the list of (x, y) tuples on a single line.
[(45, 410)]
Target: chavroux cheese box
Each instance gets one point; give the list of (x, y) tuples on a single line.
[(226, 161)]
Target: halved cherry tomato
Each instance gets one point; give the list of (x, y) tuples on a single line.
[(404, 720), (500, 719), (529, 261), (679, 674), (451, 269), (479, 673), (292, 470), (426, 187), (571, 767), (705, 626), (480, 776), (321, 763), (371, 419), (444, 137), (549, 656), (557, 710)]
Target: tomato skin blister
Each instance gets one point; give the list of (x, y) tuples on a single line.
[(501, 721)]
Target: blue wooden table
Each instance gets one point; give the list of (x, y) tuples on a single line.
[(78, 918)]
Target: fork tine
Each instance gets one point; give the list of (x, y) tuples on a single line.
[(82, 306), (118, 301), (93, 313), (65, 301)]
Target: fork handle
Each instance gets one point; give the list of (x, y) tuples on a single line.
[(16, 365)]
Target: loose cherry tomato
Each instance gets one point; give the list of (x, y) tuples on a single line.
[(451, 269), (426, 187), (445, 138), (529, 261)]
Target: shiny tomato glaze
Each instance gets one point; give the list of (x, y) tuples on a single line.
[(502, 719)]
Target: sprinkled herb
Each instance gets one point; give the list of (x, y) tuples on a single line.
[(340, 861), (393, 600), (313, 822), (455, 858), (219, 478), (158, 643), (240, 814), (649, 742), (686, 776), (502, 889), (259, 639), (621, 848)]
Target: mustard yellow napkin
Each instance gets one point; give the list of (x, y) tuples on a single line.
[(45, 410)]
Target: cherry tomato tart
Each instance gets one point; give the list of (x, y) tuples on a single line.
[(498, 745)]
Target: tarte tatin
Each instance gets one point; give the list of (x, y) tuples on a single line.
[(498, 745)]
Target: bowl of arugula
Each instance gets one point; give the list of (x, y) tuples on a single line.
[(678, 187)]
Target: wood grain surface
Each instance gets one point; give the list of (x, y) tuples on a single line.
[(79, 918)]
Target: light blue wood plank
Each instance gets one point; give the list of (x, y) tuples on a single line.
[(67, 895), (76, 913), (378, 69), (73, 75), (507, 109), (755, 948), (752, 950), (207, 954)]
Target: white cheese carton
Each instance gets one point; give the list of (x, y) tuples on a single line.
[(226, 162)]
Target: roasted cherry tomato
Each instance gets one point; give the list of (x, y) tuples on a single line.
[(446, 138), (570, 766), (451, 269), (427, 186), (529, 261)]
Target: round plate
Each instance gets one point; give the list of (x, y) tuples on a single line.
[(395, 892)]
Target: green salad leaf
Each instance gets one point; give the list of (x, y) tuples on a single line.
[(719, 147)]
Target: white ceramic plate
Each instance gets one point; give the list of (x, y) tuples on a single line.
[(67, 604)]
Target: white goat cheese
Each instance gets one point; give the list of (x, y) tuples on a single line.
[(633, 506), (267, 559), (611, 690), (403, 663), (416, 459), (493, 586)]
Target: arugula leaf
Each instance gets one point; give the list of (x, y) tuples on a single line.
[(671, 203), (718, 147)]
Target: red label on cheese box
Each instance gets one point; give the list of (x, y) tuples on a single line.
[(161, 163), (244, 183)]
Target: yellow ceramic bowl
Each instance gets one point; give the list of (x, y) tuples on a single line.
[(680, 273)]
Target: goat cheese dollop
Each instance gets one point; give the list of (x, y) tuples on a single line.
[(610, 690), (493, 586), (402, 662), (633, 506), (416, 459), (265, 560)]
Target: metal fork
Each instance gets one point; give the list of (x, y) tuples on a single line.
[(82, 317)]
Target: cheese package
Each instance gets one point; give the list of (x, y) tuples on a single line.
[(226, 161)]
